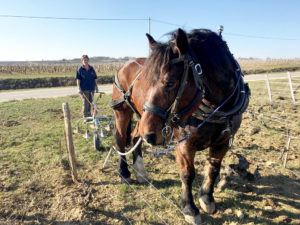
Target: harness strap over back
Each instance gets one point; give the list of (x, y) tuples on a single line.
[(126, 94), (240, 105)]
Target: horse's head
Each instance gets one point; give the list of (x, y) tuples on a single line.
[(176, 87)]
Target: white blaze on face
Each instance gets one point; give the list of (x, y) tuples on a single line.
[(139, 170)]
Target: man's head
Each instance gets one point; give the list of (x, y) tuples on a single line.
[(85, 60)]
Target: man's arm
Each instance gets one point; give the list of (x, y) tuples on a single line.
[(96, 86), (78, 85)]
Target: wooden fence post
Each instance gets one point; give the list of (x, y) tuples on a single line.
[(291, 87), (269, 87), (69, 139)]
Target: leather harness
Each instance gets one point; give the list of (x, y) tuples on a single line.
[(172, 117), (126, 94)]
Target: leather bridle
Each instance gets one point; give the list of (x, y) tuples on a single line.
[(171, 116)]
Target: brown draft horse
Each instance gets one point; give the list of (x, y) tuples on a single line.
[(129, 95), (191, 84)]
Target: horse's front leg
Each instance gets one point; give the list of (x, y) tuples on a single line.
[(138, 163), (123, 118), (185, 160), (206, 198)]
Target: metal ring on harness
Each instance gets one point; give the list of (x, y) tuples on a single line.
[(198, 69), (166, 131)]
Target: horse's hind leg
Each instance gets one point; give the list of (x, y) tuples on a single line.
[(123, 117), (185, 160), (206, 199), (138, 164)]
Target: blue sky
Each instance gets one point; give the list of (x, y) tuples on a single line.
[(253, 28)]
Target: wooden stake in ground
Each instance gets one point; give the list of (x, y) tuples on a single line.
[(69, 139), (268, 87), (291, 87)]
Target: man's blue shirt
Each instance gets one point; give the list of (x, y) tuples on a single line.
[(87, 78)]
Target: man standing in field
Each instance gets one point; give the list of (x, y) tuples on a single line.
[(87, 85)]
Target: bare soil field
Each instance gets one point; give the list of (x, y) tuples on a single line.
[(36, 185)]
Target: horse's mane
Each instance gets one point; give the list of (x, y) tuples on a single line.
[(211, 50), (160, 55)]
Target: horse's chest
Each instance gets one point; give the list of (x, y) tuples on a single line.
[(206, 136), (201, 141)]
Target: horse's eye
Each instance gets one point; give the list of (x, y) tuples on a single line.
[(170, 84)]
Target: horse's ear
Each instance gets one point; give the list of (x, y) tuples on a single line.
[(181, 42), (151, 40)]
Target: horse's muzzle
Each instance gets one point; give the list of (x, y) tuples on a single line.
[(150, 138)]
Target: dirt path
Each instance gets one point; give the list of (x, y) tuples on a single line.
[(46, 93)]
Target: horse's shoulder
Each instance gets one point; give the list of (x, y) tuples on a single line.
[(135, 63), (141, 60)]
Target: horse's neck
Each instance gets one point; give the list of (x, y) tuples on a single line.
[(218, 91)]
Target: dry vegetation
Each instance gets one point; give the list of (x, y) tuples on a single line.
[(36, 186), (249, 65), (62, 73), (254, 66), (54, 69)]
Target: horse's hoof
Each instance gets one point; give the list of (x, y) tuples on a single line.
[(126, 180), (206, 205), (139, 170), (142, 179), (195, 220)]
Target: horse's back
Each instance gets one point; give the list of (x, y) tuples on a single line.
[(128, 72), (125, 76)]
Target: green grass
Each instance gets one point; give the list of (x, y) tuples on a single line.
[(35, 181)]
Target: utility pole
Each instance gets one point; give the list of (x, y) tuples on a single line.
[(149, 25), (149, 31)]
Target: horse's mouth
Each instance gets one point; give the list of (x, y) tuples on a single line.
[(147, 143), (153, 144)]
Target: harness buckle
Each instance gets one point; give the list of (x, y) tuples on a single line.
[(166, 131), (230, 141), (175, 118), (198, 69)]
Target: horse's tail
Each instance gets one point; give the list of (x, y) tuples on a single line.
[(128, 134)]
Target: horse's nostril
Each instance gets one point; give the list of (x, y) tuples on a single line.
[(150, 139)]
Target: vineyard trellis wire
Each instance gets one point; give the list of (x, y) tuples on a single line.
[(290, 131), (288, 87), (282, 93)]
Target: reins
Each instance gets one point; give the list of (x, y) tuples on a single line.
[(171, 115), (215, 111), (169, 148)]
